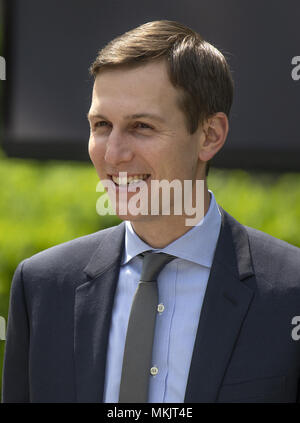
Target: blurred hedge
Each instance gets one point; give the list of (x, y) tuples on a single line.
[(43, 204)]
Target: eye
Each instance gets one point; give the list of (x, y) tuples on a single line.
[(144, 125), (98, 124)]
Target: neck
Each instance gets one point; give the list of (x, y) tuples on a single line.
[(162, 230)]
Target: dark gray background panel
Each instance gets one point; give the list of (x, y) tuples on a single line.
[(51, 43)]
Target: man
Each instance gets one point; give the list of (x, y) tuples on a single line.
[(227, 293)]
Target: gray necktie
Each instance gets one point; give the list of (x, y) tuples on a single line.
[(140, 332)]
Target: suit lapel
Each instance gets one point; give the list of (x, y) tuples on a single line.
[(93, 310), (225, 306)]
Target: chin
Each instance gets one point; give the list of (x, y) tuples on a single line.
[(134, 218)]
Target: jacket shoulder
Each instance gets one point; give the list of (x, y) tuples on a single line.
[(273, 258), (68, 258)]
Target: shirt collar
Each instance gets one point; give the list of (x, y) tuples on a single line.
[(197, 245)]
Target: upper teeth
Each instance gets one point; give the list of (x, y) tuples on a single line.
[(127, 180)]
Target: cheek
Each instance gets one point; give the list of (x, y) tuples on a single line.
[(95, 150), (96, 157), (184, 165), (91, 149)]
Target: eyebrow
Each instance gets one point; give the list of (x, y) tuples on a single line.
[(134, 116)]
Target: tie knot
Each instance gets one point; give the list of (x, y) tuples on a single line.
[(153, 263)]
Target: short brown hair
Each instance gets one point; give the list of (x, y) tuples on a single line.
[(195, 67)]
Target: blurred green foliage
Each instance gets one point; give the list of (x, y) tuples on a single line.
[(45, 203), (268, 202)]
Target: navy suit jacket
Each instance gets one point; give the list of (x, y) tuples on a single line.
[(61, 306)]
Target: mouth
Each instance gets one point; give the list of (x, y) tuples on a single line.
[(129, 180)]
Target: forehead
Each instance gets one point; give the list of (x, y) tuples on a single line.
[(146, 85)]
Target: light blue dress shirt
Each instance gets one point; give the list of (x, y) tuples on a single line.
[(181, 284)]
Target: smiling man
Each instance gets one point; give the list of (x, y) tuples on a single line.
[(154, 310), (137, 127)]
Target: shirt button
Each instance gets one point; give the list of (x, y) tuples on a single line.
[(160, 308), (154, 371)]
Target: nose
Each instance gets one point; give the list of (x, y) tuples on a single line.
[(117, 149)]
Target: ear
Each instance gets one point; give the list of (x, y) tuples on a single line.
[(213, 137)]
